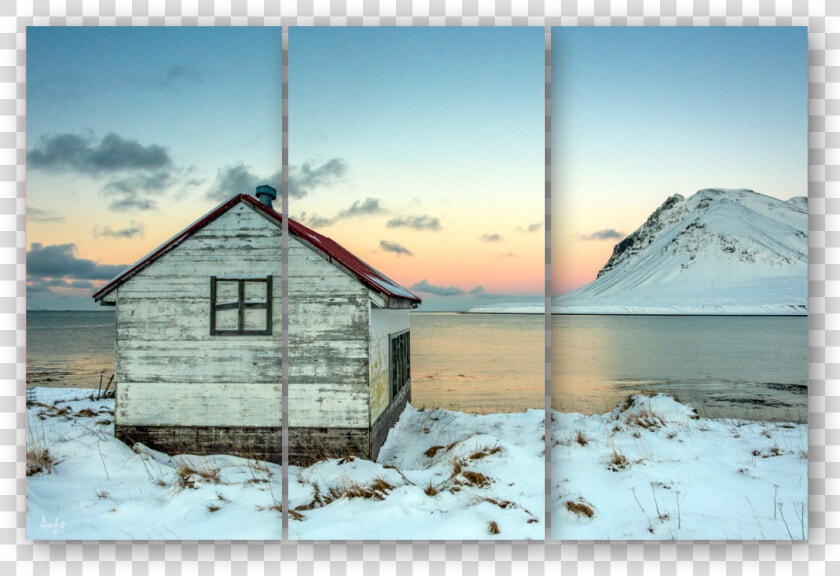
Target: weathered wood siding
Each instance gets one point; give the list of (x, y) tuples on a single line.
[(383, 323), (169, 369), (328, 344)]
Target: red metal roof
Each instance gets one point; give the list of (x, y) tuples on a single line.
[(368, 275)]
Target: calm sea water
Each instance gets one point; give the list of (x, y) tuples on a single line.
[(478, 362), (466, 362), (69, 349), (725, 366)]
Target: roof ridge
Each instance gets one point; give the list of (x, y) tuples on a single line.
[(363, 271)]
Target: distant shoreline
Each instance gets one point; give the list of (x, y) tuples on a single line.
[(721, 315)]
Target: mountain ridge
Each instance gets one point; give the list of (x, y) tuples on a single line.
[(719, 251)]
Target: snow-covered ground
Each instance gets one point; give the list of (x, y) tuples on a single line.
[(719, 251), (653, 469), (99, 488), (439, 475)]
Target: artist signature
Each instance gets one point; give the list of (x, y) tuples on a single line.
[(55, 526)]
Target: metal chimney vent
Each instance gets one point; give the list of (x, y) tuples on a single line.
[(266, 194)]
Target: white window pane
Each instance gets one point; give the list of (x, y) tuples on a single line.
[(226, 291), (255, 319), (227, 319), (255, 291)]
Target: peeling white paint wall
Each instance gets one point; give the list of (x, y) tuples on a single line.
[(328, 343), (383, 323), (169, 369)]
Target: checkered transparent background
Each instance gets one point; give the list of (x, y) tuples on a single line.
[(821, 555)]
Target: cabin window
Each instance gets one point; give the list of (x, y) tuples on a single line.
[(400, 362), (240, 306)]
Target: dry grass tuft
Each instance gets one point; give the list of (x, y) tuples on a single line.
[(485, 452), (503, 504), (580, 508), (768, 452), (38, 457), (494, 527), (580, 438), (376, 491), (476, 478), (431, 490), (617, 461), (102, 494), (189, 473), (38, 460), (87, 413), (646, 419), (430, 453)]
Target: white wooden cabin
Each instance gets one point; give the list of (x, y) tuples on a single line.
[(199, 343)]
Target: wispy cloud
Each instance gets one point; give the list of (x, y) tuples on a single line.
[(59, 261), (422, 222), (530, 227), (37, 215), (82, 154), (494, 237), (239, 178), (424, 286), (134, 229), (397, 249), (135, 172), (179, 74), (136, 192), (308, 177), (507, 255), (368, 207), (605, 234)]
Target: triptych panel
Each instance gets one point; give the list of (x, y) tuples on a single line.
[(351, 344)]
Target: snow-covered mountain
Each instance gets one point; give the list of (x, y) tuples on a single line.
[(719, 251)]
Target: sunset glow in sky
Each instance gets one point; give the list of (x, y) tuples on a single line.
[(420, 150), (134, 133), (640, 114), (438, 133)]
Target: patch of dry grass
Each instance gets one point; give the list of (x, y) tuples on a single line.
[(431, 452), (580, 508), (189, 472), (485, 452), (617, 461), (503, 504), (38, 457), (476, 478), (768, 452), (431, 490), (493, 527)]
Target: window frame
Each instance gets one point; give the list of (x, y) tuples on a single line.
[(241, 305), (399, 365)]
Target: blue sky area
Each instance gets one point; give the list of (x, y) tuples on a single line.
[(639, 114)]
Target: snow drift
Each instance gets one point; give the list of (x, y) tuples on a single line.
[(654, 469), (720, 251), (440, 475)]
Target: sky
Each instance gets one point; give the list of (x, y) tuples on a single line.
[(420, 150), (427, 148), (134, 133), (640, 114)]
